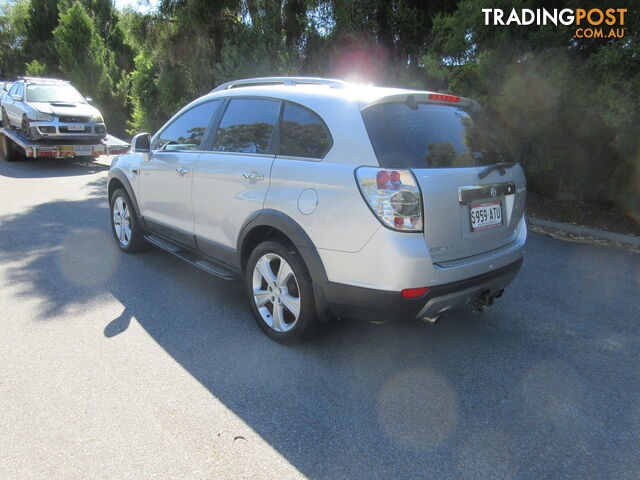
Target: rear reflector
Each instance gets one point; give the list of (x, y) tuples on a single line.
[(414, 292), (443, 98)]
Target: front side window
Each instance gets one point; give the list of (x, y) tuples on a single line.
[(187, 131), (53, 94), (13, 89), (247, 125), (303, 133)]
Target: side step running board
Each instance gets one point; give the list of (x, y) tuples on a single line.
[(191, 257)]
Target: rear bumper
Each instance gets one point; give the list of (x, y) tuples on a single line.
[(381, 305)]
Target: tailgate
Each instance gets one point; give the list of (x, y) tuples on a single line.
[(465, 215)]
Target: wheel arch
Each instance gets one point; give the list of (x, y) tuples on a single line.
[(267, 224), (118, 179)]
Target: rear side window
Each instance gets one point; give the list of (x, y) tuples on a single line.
[(247, 125), (431, 136), (303, 133), (187, 131)]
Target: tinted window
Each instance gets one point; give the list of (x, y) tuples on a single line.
[(247, 125), (431, 136), (303, 133), (187, 131)]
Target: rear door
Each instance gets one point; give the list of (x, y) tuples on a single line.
[(231, 177), (447, 147), (167, 176)]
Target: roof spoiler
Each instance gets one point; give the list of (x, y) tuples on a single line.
[(424, 97)]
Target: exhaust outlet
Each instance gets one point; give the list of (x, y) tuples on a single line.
[(431, 320)]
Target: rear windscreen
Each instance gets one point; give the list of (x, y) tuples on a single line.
[(423, 135)]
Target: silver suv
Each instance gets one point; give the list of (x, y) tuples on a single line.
[(44, 108), (330, 200)]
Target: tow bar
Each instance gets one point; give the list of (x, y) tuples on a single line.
[(485, 299)]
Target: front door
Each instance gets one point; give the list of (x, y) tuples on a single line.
[(13, 106), (167, 176)]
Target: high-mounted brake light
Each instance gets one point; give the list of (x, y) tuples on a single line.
[(393, 196), (444, 98)]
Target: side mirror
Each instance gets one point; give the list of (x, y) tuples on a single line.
[(141, 143), (88, 99), (17, 98)]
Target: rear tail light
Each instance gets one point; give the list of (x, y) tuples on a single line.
[(393, 196)]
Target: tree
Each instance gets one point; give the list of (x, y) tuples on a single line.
[(35, 68), (551, 94), (85, 60), (13, 20)]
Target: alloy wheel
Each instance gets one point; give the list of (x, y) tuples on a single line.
[(122, 221), (276, 292), (26, 131)]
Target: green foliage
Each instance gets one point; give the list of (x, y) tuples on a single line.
[(89, 64), (568, 108), (35, 68), (13, 20), (82, 53)]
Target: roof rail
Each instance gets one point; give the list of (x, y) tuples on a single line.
[(41, 79), (249, 82)]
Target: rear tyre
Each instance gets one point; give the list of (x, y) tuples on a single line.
[(280, 292), (5, 119), (125, 225)]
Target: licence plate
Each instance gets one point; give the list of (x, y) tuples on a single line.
[(485, 215), (77, 128)]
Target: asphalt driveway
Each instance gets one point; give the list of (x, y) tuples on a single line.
[(141, 366)]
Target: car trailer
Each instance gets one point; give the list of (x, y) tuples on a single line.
[(13, 146)]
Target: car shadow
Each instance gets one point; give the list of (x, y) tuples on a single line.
[(52, 167), (522, 390)]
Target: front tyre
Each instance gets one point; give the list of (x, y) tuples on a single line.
[(280, 292), (25, 128), (125, 225)]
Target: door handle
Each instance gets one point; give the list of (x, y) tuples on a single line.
[(182, 171), (253, 176)]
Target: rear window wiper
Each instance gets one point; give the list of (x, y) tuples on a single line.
[(496, 166)]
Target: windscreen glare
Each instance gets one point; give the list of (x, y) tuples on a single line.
[(424, 135), (53, 94)]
